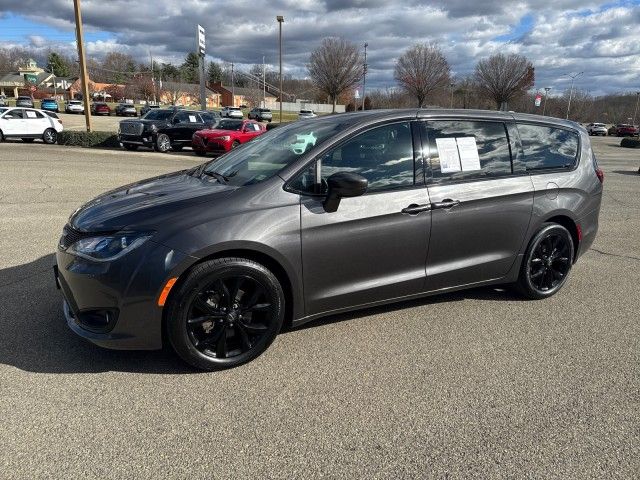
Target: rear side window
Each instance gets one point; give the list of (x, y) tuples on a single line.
[(548, 147), (460, 149)]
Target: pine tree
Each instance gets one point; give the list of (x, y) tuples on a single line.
[(57, 65), (189, 69)]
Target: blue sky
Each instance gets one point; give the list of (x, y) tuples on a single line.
[(601, 38)]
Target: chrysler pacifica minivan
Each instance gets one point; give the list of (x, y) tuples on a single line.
[(376, 207)]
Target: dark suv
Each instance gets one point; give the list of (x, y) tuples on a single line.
[(164, 129), (261, 115), (319, 217)]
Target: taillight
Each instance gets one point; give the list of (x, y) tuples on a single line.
[(600, 174)]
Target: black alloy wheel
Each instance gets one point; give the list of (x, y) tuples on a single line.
[(226, 313), (50, 136), (548, 261)]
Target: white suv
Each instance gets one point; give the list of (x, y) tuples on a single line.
[(74, 106), (597, 129), (29, 124)]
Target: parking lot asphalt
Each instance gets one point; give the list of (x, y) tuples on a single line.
[(476, 384)]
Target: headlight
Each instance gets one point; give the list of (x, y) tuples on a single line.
[(107, 248), (224, 138), (154, 127)]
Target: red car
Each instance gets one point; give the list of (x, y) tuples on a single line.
[(99, 108), (228, 134), (623, 130)]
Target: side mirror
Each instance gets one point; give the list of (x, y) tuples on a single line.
[(343, 184)]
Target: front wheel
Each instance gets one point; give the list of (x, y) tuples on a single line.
[(225, 313), (547, 262), (163, 143), (200, 153), (50, 136)]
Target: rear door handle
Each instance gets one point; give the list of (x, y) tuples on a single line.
[(446, 203), (415, 209)]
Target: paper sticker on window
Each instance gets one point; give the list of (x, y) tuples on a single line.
[(31, 114), (192, 119), (468, 150), (448, 153)]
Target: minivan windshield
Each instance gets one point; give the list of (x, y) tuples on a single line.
[(266, 155)]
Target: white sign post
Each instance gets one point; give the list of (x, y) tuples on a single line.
[(201, 48), (201, 40)]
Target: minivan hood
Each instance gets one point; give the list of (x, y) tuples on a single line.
[(146, 202)]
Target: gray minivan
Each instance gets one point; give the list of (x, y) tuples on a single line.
[(319, 217)]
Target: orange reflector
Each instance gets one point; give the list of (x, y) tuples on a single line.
[(165, 291)]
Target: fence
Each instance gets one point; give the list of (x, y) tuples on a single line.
[(297, 106)]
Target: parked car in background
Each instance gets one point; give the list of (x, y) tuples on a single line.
[(306, 114), (74, 106), (597, 129), (260, 114), (164, 129), (227, 135), (623, 130), (215, 259), (126, 110), (49, 104), (24, 102), (100, 108), (231, 112), (29, 124), (147, 108)]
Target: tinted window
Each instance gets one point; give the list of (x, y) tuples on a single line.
[(158, 114), (187, 117), (467, 149), (548, 147), (230, 125), (32, 114), (16, 113), (383, 155)]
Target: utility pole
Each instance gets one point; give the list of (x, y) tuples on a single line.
[(635, 112), (233, 89), (153, 80), (264, 84), (546, 94), (364, 75), (573, 77), (451, 85), (83, 65), (280, 20)]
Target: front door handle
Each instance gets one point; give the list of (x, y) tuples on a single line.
[(415, 209), (446, 203)]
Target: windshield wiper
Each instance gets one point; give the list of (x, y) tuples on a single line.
[(218, 176)]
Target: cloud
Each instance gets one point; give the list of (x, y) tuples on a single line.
[(559, 36)]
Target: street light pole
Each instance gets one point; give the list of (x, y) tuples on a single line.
[(573, 77), (546, 94), (635, 112), (83, 66), (280, 20), (364, 74), (233, 88)]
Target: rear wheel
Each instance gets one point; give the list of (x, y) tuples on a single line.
[(50, 136), (225, 313), (547, 262), (163, 143)]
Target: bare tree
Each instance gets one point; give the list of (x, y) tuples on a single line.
[(421, 70), (334, 67), (504, 77)]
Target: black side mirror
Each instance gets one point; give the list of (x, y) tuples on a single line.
[(343, 184)]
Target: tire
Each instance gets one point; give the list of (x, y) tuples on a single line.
[(50, 136), (204, 318), (163, 143), (130, 146), (200, 153), (27, 140), (1, 136), (547, 262), (235, 144)]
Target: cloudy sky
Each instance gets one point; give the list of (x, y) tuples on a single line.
[(560, 37)]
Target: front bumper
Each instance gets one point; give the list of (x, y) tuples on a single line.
[(126, 289), (203, 144), (145, 140)]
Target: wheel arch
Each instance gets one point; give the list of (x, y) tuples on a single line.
[(570, 224)]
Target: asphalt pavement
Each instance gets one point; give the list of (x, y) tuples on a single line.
[(476, 384)]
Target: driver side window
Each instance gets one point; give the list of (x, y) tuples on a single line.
[(382, 155)]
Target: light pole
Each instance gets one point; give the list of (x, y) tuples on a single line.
[(451, 85), (546, 94), (233, 88), (264, 84), (364, 74), (280, 20), (573, 77), (635, 112)]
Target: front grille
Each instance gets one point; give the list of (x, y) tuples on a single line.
[(131, 128), (70, 236)]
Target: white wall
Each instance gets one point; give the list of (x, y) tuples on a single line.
[(296, 107)]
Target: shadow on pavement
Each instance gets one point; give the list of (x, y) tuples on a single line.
[(635, 173), (34, 335)]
